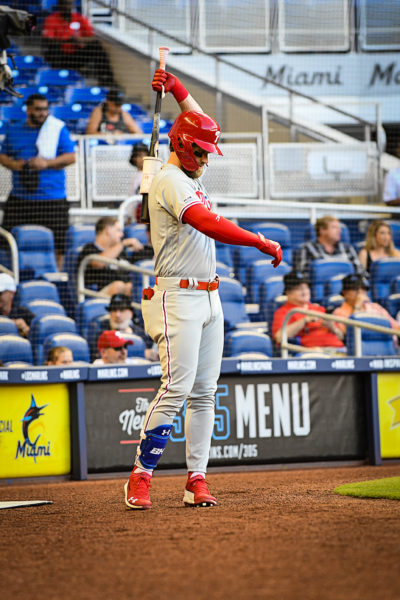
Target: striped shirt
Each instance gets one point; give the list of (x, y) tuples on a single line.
[(314, 250)]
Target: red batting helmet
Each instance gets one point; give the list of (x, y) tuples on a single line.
[(193, 127)]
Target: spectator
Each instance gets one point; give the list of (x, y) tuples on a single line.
[(391, 190), (21, 316), (108, 243), (378, 244), (113, 348), (313, 332), (37, 153), (109, 117), (354, 292), (69, 43), (59, 356), (327, 245), (123, 319)]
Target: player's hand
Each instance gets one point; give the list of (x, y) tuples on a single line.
[(171, 84), (270, 247)]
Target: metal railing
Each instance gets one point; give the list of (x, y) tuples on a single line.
[(82, 291), (357, 325), (14, 272)]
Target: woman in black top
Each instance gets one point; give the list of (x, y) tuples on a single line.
[(109, 117)]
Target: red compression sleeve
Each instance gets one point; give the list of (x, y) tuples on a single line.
[(217, 227)]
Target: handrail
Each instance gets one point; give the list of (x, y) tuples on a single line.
[(219, 60), (358, 325), (82, 291), (14, 256)]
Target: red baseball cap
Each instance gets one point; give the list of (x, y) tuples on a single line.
[(112, 339)]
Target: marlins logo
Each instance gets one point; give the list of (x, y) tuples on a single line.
[(29, 448)]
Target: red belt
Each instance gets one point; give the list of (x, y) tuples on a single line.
[(210, 286)]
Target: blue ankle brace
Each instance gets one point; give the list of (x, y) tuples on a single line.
[(153, 445)]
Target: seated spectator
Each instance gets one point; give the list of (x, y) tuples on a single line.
[(108, 243), (113, 348), (19, 314), (314, 333), (378, 244), (391, 190), (123, 319), (327, 245), (69, 43), (109, 117), (354, 292), (59, 356)]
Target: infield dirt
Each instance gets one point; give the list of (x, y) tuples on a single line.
[(280, 534)]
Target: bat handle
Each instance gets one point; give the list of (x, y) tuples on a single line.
[(164, 50)]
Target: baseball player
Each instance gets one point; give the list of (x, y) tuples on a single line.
[(182, 313)]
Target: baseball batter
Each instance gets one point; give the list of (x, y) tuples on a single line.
[(182, 313)]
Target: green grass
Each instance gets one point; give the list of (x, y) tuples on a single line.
[(377, 488)]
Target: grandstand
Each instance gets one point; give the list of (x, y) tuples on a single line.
[(309, 116)]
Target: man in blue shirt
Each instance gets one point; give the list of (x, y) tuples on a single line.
[(38, 193)]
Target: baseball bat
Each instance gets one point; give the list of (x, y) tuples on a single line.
[(155, 135)]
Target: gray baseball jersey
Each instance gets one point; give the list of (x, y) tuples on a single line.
[(180, 250)]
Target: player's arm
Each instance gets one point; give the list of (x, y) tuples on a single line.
[(223, 230), (172, 84)]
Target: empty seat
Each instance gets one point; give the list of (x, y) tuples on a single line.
[(223, 253), (8, 326), (30, 62), (233, 305), (58, 77), (53, 94), (42, 327), (276, 232), (36, 289), (15, 348), (395, 285), (138, 231), (76, 343), (224, 270), (395, 226), (87, 311), (243, 258), (135, 110), (137, 348), (45, 307), (74, 115), (79, 235), (86, 95), (36, 252), (237, 342), (373, 343), (260, 271), (383, 272), (13, 113), (322, 270)]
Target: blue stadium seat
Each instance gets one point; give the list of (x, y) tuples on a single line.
[(13, 113), (395, 226), (87, 311), (224, 254), (3, 130), (76, 343), (45, 307), (261, 270), (53, 94), (237, 342), (224, 270), (86, 95), (7, 326), (270, 289), (322, 270), (309, 233), (243, 258), (138, 279), (42, 327), (78, 235), (74, 115), (373, 343), (15, 348), (137, 348), (332, 302), (334, 285), (138, 231), (23, 77), (36, 290), (393, 305), (29, 62), (394, 285), (135, 110), (95, 328), (58, 77), (383, 272), (35, 251), (277, 232), (233, 305), (269, 309)]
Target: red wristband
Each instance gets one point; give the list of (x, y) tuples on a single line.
[(179, 91)]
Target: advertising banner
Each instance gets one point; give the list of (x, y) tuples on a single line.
[(258, 418), (34, 430), (389, 414)]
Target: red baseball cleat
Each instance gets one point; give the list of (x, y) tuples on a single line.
[(137, 491), (197, 492)]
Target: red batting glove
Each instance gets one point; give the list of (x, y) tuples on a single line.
[(171, 84), (270, 247)]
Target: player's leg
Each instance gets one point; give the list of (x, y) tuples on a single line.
[(200, 408)]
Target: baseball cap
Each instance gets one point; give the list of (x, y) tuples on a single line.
[(7, 283), (112, 339), (115, 96), (354, 282), (292, 280), (119, 301)]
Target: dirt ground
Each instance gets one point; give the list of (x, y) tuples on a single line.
[(278, 534)]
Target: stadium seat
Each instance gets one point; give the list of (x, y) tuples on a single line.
[(8, 326), (243, 258), (395, 285), (36, 289), (87, 311), (270, 289), (224, 270), (251, 356), (78, 235), (15, 348), (332, 302), (35, 251), (86, 95), (53, 94), (23, 77), (138, 231), (237, 342), (277, 232), (45, 307), (395, 225), (42, 327), (232, 299), (13, 113), (269, 309), (309, 233), (135, 110), (58, 77), (334, 285), (393, 305), (224, 254), (383, 272), (94, 329), (32, 63), (137, 348), (260, 271), (322, 270), (74, 115), (76, 343), (139, 279), (373, 343)]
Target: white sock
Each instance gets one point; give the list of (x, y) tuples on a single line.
[(198, 473), (141, 470)]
